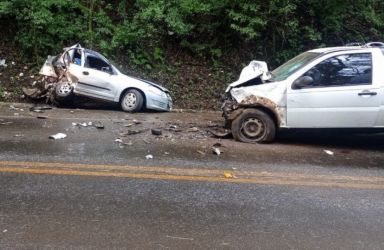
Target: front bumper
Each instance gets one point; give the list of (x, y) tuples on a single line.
[(228, 106), (160, 103)]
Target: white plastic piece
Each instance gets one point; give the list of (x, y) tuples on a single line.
[(58, 136)]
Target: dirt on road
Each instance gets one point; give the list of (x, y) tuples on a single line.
[(112, 135)]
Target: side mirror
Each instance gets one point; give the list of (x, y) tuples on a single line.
[(302, 82), (107, 70)]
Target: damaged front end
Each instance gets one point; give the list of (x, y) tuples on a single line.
[(56, 84), (236, 98), (253, 106), (228, 107)]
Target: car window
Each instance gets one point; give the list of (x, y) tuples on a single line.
[(98, 64), (77, 57), (342, 70)]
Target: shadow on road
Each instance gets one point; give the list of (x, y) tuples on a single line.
[(343, 139)]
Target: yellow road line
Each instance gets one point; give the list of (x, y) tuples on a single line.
[(195, 178), (201, 175), (189, 171)]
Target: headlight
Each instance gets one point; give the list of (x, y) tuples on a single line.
[(156, 91)]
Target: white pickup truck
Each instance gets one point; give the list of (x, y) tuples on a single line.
[(338, 87)]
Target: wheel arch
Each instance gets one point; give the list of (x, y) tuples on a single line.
[(269, 112), (265, 109), (141, 92)]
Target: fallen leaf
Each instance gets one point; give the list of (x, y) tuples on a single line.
[(228, 175)]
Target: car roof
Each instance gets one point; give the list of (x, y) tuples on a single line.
[(343, 48), (93, 53)]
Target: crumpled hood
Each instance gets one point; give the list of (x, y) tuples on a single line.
[(254, 70), (275, 91), (148, 82), (155, 85)]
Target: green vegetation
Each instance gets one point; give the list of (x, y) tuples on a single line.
[(186, 44), (2, 92)]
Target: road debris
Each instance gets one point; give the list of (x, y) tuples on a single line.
[(11, 107), (174, 128), (127, 143), (328, 152), (98, 125), (216, 151), (42, 117), (200, 152), (193, 129), (2, 63), (58, 136), (156, 131), (149, 157), (39, 109), (133, 132), (5, 123), (178, 238), (118, 140), (220, 132), (216, 148)]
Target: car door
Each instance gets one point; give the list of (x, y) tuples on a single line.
[(342, 94), (95, 77)]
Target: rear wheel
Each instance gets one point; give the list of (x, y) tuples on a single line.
[(254, 126), (132, 101)]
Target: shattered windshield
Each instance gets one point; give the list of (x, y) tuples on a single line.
[(288, 68)]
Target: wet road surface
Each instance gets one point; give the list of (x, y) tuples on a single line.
[(88, 191)]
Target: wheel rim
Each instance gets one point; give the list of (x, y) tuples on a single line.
[(253, 129), (130, 101), (64, 89)]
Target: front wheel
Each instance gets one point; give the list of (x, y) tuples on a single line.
[(63, 93), (132, 101), (254, 126)]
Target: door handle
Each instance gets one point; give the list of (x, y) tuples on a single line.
[(367, 93), (85, 73)]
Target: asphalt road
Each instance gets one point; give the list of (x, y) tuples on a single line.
[(88, 191)]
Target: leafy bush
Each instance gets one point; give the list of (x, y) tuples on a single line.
[(157, 36), (276, 29)]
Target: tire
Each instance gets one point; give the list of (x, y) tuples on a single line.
[(132, 101), (254, 126), (63, 93)]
